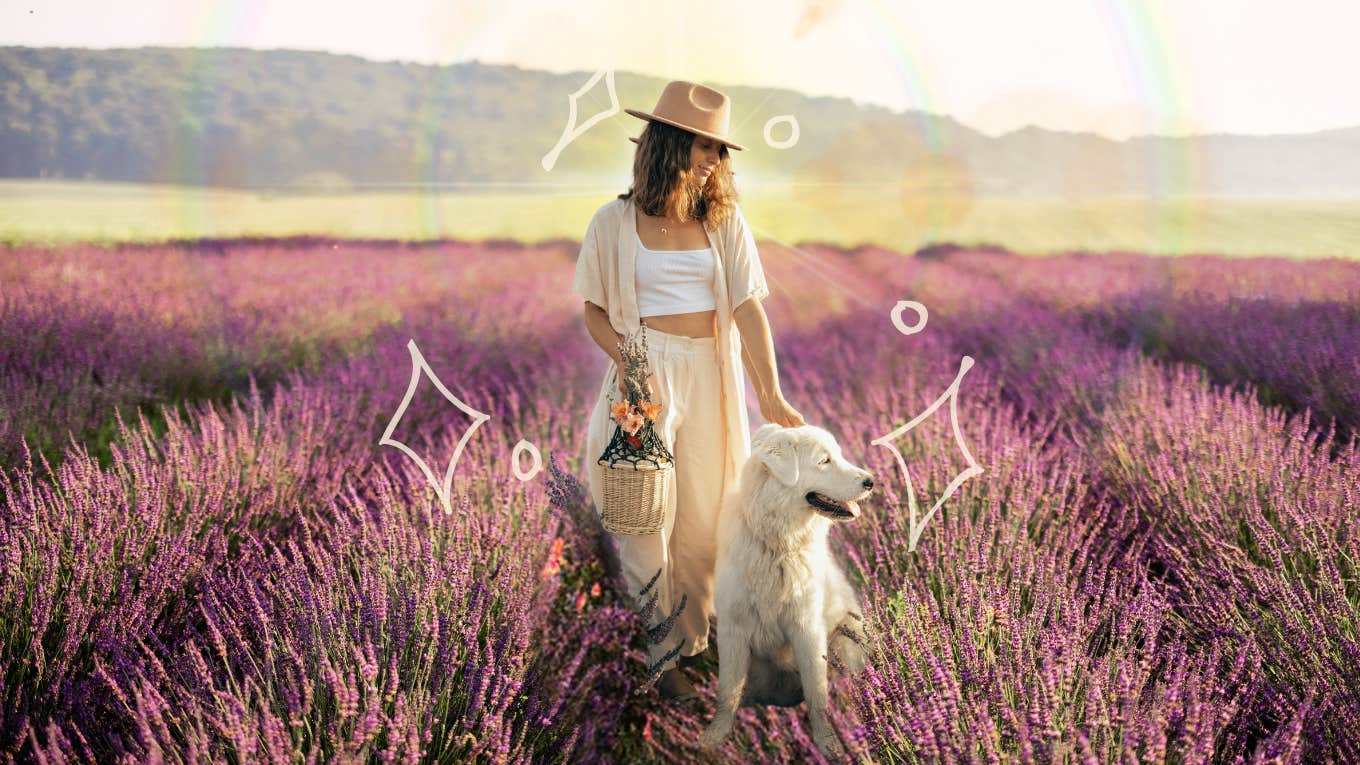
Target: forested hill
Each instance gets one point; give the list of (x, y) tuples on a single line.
[(250, 118)]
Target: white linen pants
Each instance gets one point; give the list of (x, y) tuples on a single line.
[(685, 550)]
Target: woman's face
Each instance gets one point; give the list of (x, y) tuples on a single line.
[(703, 157)]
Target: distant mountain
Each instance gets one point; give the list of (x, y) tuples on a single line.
[(280, 118)]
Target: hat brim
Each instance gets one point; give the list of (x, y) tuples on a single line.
[(648, 116)]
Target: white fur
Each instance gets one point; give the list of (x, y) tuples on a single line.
[(780, 597)]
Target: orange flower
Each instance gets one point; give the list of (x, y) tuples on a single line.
[(580, 600), (595, 590), (632, 423), (554, 559), (650, 410), (619, 409)]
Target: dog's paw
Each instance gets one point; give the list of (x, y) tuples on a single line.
[(714, 735)]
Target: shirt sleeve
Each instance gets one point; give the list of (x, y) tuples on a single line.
[(746, 275), (589, 280)]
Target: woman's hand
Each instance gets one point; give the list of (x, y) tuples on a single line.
[(778, 411), (649, 393)]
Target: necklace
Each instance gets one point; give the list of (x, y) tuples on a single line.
[(663, 228)]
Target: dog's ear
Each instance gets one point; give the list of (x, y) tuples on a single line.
[(781, 458)]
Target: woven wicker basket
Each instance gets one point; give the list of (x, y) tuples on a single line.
[(635, 494), (636, 480)]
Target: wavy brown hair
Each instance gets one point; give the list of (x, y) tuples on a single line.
[(664, 184)]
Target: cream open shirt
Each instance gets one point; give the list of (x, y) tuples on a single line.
[(606, 274)]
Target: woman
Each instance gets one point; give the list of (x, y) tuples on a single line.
[(675, 253)]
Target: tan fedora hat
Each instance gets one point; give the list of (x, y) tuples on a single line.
[(693, 107)]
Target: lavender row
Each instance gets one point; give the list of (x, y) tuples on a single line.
[(1023, 624), (1290, 328), (1072, 384), (87, 331), (1253, 534), (272, 558)]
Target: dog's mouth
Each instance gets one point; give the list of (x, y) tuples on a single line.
[(833, 508)]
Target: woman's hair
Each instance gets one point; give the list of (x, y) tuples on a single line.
[(664, 184)]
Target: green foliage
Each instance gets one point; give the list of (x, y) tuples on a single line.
[(247, 118)]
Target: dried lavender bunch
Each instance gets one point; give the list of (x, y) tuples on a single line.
[(633, 349)]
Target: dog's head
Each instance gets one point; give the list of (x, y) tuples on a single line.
[(805, 467)]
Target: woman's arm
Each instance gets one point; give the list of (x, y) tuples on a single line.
[(757, 356), (602, 332)]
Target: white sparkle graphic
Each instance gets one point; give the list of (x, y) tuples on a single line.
[(520, 448), (786, 143), (571, 131), (921, 313), (419, 367), (952, 394)]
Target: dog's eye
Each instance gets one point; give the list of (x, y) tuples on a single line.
[(825, 461)]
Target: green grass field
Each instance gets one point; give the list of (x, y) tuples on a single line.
[(64, 211)]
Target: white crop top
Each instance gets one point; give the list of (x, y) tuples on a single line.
[(674, 281)]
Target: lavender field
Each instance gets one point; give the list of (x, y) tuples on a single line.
[(207, 555)]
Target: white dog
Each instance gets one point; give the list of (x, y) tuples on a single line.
[(780, 599)]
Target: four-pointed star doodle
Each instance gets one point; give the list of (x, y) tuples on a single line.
[(418, 366), (572, 131)]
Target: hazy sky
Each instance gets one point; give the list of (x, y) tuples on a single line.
[(1178, 66)]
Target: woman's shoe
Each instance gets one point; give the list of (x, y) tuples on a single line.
[(674, 686)]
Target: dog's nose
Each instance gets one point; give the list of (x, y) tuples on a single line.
[(869, 482)]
